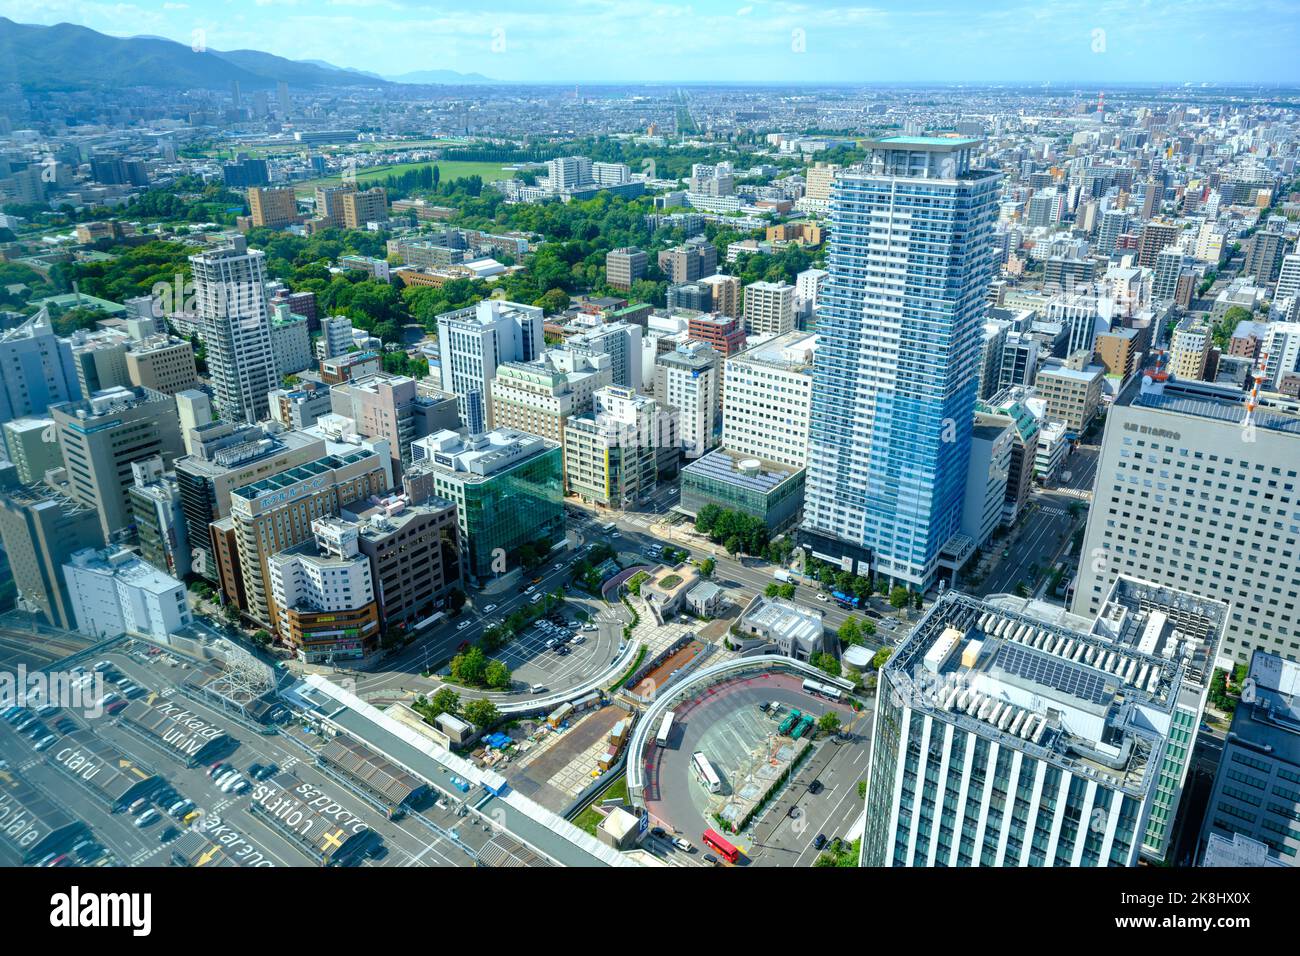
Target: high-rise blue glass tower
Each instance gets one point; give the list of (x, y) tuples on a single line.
[(896, 369)]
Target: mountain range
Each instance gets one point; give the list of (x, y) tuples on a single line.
[(70, 57)]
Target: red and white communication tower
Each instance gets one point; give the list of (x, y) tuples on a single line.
[(1258, 375)]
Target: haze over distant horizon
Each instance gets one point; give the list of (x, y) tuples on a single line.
[(690, 41)]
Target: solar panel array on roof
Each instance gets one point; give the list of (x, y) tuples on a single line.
[(375, 771), (724, 467), (1052, 672)]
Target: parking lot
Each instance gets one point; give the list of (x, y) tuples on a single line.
[(159, 771), (558, 656)]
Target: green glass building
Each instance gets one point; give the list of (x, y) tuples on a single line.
[(508, 487)]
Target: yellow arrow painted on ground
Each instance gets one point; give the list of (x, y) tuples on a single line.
[(209, 856)]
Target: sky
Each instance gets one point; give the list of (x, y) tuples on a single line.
[(683, 41)]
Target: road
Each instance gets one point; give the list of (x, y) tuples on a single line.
[(1047, 530), (399, 675)]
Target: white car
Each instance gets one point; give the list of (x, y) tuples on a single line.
[(489, 609), (462, 625), (823, 598)]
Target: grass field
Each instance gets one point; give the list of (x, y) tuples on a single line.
[(447, 170), (227, 152)]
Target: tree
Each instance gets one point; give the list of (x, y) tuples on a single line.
[(497, 675), (444, 701), (918, 600), (881, 657), (786, 591), (707, 567), (553, 301), (455, 600), (827, 663), (850, 632), (868, 628), (829, 722), (482, 713), (771, 590), (470, 667), (898, 597), (262, 637)]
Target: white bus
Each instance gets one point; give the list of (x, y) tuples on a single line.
[(818, 689), (608, 526), (665, 728), (430, 620), (704, 772)]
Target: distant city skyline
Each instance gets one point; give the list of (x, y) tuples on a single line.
[(703, 41)]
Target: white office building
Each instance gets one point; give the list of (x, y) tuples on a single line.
[(1011, 733), (767, 399), (1191, 495), (326, 574), (290, 341), (769, 308), (686, 380), (473, 341), (335, 336), (114, 592)]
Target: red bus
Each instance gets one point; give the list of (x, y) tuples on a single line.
[(714, 841)]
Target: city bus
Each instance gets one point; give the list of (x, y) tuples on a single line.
[(665, 728), (429, 621), (715, 842), (704, 772), (818, 689)]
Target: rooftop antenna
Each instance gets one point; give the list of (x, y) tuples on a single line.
[(1258, 374)]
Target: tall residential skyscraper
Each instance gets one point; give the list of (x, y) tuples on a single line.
[(235, 326), (1190, 496), (900, 333)]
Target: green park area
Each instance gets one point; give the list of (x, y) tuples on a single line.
[(447, 170)]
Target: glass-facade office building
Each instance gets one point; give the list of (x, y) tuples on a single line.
[(521, 503), (761, 489), (899, 324)]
